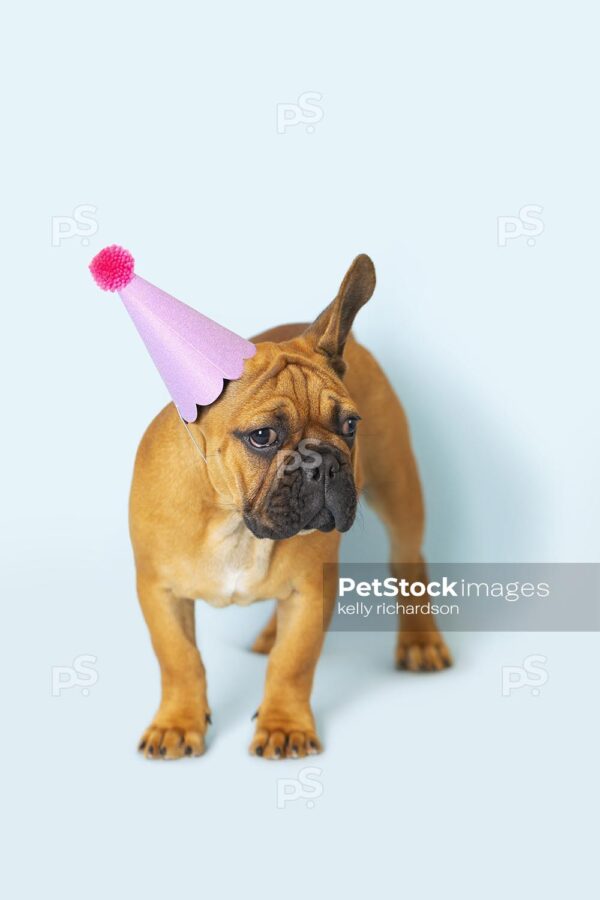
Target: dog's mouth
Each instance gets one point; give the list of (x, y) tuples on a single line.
[(324, 521)]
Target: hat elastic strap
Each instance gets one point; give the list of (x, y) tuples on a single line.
[(192, 438)]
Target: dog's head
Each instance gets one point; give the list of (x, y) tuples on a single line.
[(280, 441)]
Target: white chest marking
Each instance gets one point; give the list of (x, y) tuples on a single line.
[(240, 562)]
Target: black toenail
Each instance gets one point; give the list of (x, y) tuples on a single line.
[(142, 745), (259, 751), (255, 716), (162, 751), (313, 745), (209, 718), (294, 749), (277, 751), (188, 750), (151, 750)]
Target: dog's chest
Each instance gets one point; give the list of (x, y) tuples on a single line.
[(233, 565)]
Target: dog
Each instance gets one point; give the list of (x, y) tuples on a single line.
[(251, 504)]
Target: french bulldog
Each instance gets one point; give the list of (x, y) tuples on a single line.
[(250, 504)]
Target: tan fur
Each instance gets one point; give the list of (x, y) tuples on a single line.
[(190, 540)]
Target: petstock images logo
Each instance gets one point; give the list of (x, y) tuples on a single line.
[(466, 596)]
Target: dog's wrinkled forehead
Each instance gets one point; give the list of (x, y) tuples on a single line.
[(295, 388)]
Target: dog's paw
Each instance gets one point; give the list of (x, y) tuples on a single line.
[(422, 652), (171, 741), (284, 742)]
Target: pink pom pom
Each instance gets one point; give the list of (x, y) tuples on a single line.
[(112, 268)]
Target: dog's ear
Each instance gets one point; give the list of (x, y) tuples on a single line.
[(329, 332)]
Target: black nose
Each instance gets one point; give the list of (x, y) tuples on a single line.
[(327, 469)]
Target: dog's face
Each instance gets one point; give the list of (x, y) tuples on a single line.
[(281, 441)]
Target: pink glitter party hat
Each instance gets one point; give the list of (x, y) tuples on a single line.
[(193, 354)]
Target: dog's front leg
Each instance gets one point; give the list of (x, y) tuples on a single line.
[(180, 724), (285, 724)]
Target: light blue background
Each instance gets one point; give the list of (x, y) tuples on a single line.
[(437, 119)]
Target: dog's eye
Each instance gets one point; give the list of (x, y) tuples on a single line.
[(349, 426), (263, 437)]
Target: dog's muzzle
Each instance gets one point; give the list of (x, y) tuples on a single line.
[(317, 493)]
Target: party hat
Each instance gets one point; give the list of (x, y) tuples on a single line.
[(193, 354)]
